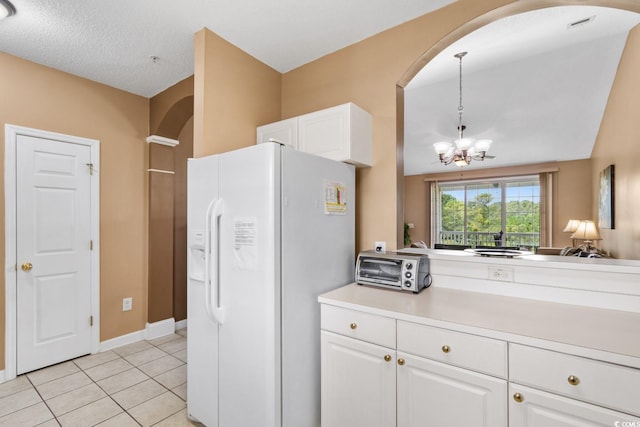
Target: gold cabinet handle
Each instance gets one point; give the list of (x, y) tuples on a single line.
[(400, 362), (353, 326), (26, 266), (446, 349), (387, 357), (573, 380), (518, 397)]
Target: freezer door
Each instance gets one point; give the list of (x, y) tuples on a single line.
[(318, 254), (202, 342), (249, 376)]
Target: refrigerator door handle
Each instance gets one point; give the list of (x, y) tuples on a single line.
[(212, 253)]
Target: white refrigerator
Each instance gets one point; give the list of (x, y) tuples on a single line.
[(269, 229)]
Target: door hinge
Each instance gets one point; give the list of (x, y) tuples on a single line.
[(90, 245), (90, 168), (90, 320)]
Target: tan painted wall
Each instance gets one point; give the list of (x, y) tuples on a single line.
[(618, 144), (182, 152), (39, 97), (234, 93), (367, 73), (572, 198), (417, 208), (167, 114)]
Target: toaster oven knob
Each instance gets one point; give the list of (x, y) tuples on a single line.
[(409, 266), (407, 283), (408, 275)]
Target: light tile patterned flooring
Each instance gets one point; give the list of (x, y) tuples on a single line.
[(140, 384)]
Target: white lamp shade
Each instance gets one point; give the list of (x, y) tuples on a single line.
[(572, 226), (465, 143), (442, 147), (586, 231), (482, 145)]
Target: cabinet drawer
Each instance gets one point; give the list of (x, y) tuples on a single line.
[(584, 379), (357, 324), (480, 354)]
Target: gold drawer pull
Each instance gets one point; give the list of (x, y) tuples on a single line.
[(400, 362), (446, 349), (387, 357), (518, 397), (353, 326), (573, 380)]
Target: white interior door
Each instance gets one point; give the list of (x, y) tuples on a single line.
[(53, 251)]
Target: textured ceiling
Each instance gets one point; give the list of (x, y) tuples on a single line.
[(112, 42), (535, 87)]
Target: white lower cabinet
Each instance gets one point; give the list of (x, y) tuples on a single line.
[(431, 393), (529, 407), (382, 371), (358, 383)]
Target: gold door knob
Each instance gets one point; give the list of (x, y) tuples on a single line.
[(573, 380), (518, 397), (387, 357), (353, 326), (400, 362), (26, 266), (446, 349)]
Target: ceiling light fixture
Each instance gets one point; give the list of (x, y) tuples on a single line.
[(6, 9), (464, 149)]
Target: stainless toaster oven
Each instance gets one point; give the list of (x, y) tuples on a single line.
[(395, 270)]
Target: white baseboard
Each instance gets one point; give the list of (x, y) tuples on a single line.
[(160, 329), (153, 330), (122, 340), (181, 324)]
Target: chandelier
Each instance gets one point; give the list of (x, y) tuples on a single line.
[(463, 150)]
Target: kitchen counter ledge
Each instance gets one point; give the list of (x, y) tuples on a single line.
[(603, 334)]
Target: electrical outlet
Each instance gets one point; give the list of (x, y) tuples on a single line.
[(380, 246), (500, 273), (127, 304)]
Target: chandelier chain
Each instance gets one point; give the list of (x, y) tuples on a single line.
[(460, 107)]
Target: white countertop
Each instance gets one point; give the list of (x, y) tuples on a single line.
[(609, 335)]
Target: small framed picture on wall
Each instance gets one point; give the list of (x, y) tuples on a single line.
[(606, 207)]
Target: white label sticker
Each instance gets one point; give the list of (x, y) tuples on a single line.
[(245, 236), (335, 198)]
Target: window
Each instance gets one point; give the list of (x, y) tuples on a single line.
[(497, 212)]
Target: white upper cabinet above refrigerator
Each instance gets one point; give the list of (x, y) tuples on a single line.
[(284, 131), (342, 133)]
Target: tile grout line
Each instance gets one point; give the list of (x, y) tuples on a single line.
[(92, 381), (105, 392), (42, 399)]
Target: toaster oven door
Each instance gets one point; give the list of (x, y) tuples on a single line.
[(380, 271)]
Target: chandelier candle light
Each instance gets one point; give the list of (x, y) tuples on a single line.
[(6, 9), (465, 149)]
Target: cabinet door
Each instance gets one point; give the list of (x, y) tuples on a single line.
[(535, 408), (284, 131), (358, 383), (340, 133), (435, 394)]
